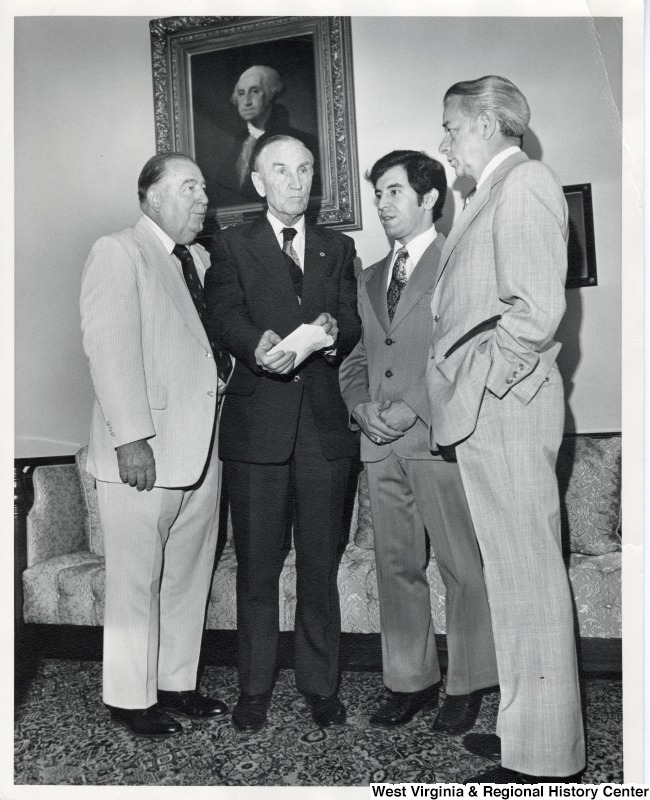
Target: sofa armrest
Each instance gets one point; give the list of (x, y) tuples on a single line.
[(55, 523)]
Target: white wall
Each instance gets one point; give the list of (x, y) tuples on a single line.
[(570, 72), (84, 127)]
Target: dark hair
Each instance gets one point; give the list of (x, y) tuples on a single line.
[(263, 143), (423, 172), (498, 95), (154, 169)]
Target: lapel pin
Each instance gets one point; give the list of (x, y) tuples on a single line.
[(321, 254)]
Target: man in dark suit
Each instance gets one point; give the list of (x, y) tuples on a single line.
[(383, 382), (285, 441), (255, 97)]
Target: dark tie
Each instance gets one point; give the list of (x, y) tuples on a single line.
[(221, 358), (397, 282), (291, 257)]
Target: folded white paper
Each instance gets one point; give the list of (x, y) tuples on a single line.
[(304, 341)]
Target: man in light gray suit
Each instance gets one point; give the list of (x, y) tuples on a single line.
[(497, 396), (152, 448), (384, 388)]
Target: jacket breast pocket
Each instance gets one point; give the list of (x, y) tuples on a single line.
[(157, 397)]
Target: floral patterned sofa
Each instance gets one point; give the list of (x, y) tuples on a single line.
[(64, 579)]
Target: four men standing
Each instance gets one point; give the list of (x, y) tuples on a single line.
[(452, 382)]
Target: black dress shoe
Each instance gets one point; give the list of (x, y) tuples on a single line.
[(192, 704), (487, 745), (326, 711), (458, 713), (505, 775), (145, 721), (250, 712), (401, 707)]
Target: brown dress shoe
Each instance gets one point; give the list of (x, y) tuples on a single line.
[(192, 704), (326, 711), (401, 707), (150, 721), (458, 713)]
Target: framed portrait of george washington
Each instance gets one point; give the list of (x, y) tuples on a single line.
[(222, 82)]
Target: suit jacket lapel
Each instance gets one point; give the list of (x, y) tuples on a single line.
[(318, 263), (478, 202), (377, 287), (165, 267), (422, 278)]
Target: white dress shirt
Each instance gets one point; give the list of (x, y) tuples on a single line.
[(298, 240), (168, 243), (415, 249), (499, 158)]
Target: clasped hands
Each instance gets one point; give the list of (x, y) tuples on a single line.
[(281, 363), (384, 421)]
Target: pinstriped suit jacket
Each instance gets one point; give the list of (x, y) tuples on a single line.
[(150, 359), (399, 348), (506, 254)]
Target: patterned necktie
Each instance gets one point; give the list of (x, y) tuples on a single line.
[(293, 262), (397, 282), (221, 358)]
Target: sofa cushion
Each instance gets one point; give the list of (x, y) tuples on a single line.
[(596, 588), (589, 478), (65, 589)]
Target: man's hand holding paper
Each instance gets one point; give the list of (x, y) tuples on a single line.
[(282, 356)]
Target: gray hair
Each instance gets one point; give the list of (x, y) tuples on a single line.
[(495, 94), (269, 79)]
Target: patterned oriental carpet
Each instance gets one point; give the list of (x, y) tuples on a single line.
[(63, 735)]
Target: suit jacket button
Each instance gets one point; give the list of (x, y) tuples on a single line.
[(436, 318), (210, 394), (521, 366), (388, 373), (508, 380), (389, 341), (297, 378)]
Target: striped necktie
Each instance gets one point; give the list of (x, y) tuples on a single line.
[(291, 257)]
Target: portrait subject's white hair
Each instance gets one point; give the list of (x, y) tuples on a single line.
[(269, 80)]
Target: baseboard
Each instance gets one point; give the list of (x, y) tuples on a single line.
[(359, 651)]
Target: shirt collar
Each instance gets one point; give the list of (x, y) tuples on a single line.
[(277, 225), (167, 242), (499, 158), (418, 245)]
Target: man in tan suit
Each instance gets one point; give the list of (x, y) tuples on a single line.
[(152, 448), (497, 395), (384, 388)]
